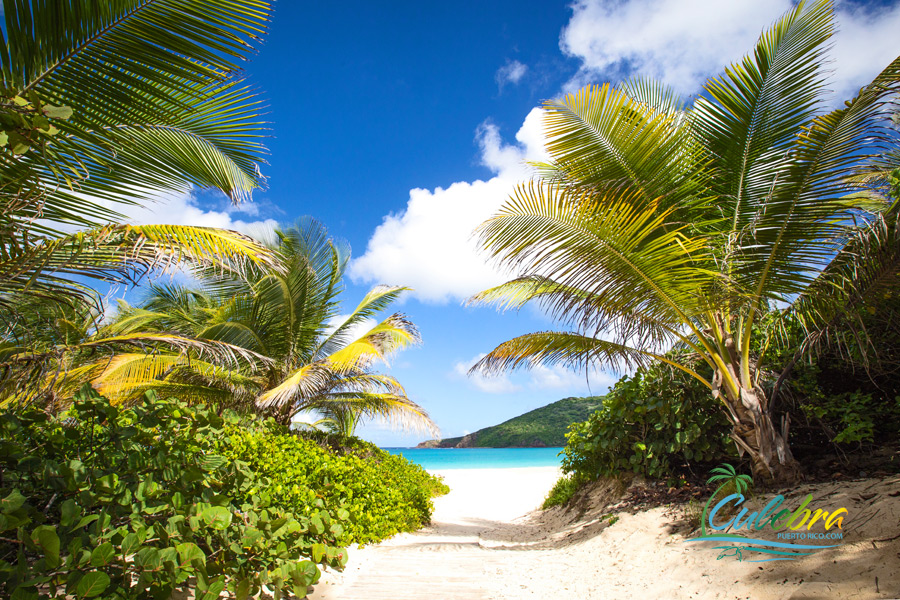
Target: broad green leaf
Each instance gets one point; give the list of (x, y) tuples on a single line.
[(317, 552), (148, 558), (92, 584), (69, 511), (47, 538), (189, 552), (217, 517), (24, 593), (242, 589), (102, 554), (131, 543), (13, 502)]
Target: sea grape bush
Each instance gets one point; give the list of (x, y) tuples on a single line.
[(379, 493), (111, 502), (563, 490), (647, 421)]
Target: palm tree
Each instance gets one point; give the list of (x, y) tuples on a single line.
[(301, 354), (105, 104), (656, 225)]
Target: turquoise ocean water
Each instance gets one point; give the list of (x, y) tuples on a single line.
[(480, 458)]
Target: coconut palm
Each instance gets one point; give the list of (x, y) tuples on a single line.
[(310, 357), (106, 104), (657, 225)]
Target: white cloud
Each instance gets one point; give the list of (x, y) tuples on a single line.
[(512, 72), (182, 208), (683, 42), (680, 42), (556, 377), (429, 245), (498, 384), (868, 39)]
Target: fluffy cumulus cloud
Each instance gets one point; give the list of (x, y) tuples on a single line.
[(429, 246), (510, 73), (682, 42)]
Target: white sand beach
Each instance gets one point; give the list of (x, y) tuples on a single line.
[(488, 541)]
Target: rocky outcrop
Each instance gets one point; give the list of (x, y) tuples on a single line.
[(430, 444), (467, 441)]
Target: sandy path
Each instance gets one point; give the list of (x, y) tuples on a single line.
[(481, 546), (447, 561)]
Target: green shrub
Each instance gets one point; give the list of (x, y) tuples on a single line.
[(382, 494), (851, 416), (113, 502), (648, 420), (563, 490)]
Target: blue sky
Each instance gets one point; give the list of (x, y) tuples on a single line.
[(402, 125)]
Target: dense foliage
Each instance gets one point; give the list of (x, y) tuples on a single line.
[(382, 494), (648, 421), (115, 502), (831, 401), (105, 105), (544, 426), (133, 502)]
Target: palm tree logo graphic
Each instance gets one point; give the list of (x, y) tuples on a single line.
[(727, 475)]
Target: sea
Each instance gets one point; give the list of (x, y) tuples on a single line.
[(480, 458)]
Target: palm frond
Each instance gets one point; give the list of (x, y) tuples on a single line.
[(620, 250), (155, 103), (126, 376), (831, 309), (602, 138), (218, 351), (394, 409), (124, 254), (378, 343), (750, 120), (296, 390), (570, 350), (804, 219), (374, 302)]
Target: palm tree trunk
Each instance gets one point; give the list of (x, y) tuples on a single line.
[(755, 433)]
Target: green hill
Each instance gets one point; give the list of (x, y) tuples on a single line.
[(545, 426)]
